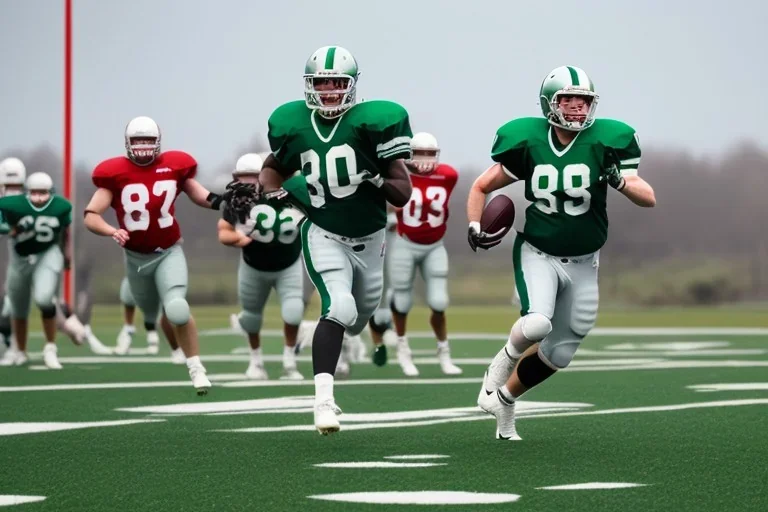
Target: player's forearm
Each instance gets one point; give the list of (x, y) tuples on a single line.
[(475, 203), (397, 186), (270, 179), (639, 191), (227, 233), (201, 196), (96, 224)]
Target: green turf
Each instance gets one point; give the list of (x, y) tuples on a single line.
[(709, 458)]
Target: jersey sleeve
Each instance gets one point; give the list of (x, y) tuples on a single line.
[(629, 156), (510, 149), (5, 228), (391, 130), (66, 217), (183, 163), (622, 146), (279, 132), (103, 175)]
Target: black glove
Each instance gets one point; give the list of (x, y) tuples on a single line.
[(215, 200), (25, 224), (611, 173), (241, 198), (477, 238)]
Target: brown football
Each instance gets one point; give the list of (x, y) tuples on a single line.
[(498, 216)]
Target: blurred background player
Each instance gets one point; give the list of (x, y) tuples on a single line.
[(128, 331), (39, 224), (142, 188), (421, 226), (271, 259), (567, 159), (380, 324)]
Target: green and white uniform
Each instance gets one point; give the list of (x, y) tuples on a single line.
[(36, 260), (556, 255), (272, 260), (340, 162)]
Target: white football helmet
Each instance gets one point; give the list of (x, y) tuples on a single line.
[(142, 127), (39, 188), (248, 165), (12, 174), (425, 153)]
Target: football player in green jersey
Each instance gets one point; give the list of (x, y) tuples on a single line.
[(271, 259), (12, 176), (567, 160), (350, 159), (39, 222)]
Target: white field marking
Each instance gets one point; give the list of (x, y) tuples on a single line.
[(222, 377), (425, 456), (739, 386), (305, 403), (402, 424), (684, 346), (591, 486), (378, 464), (14, 499), (673, 353), (13, 429), (352, 382), (419, 497), (101, 385), (37, 367)]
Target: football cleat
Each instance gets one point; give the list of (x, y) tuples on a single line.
[(50, 357), (256, 371), (380, 355), (390, 338), (177, 356), (504, 411), (326, 421), (446, 365), (405, 360), (13, 357), (199, 380), (153, 343), (95, 344), (74, 329), (498, 373), (124, 340)]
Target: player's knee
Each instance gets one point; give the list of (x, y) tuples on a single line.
[(292, 310), (437, 301), (126, 297), (534, 369), (402, 301), (47, 310), (343, 309), (177, 310), (381, 320), (251, 321), (559, 355), (535, 326)]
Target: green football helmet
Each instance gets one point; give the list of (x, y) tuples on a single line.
[(567, 81), (335, 64)]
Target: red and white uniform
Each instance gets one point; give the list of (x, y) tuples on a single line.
[(423, 220), (143, 197), (421, 225)]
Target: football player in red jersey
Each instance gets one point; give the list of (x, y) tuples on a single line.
[(142, 188), (421, 225)]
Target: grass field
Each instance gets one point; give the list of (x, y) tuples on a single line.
[(679, 413)]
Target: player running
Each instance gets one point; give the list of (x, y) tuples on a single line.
[(142, 187), (271, 259), (567, 160), (421, 226), (351, 157)]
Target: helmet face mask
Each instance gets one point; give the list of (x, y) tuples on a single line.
[(330, 81), (12, 177), (142, 140), (425, 154), (39, 189), (559, 95)]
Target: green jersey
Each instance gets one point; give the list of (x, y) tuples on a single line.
[(338, 159), (568, 214), (276, 244), (5, 228), (46, 223)]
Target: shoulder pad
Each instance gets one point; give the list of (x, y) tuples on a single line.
[(378, 113), (518, 133), (612, 133), (178, 159)]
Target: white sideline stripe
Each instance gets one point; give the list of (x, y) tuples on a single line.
[(597, 331), (739, 386), (401, 424), (15, 499), (589, 486), (425, 456), (419, 498), (18, 428), (378, 464)]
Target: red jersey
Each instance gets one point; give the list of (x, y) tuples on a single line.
[(143, 197), (423, 219)]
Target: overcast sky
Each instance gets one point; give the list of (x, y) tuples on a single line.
[(688, 74)]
